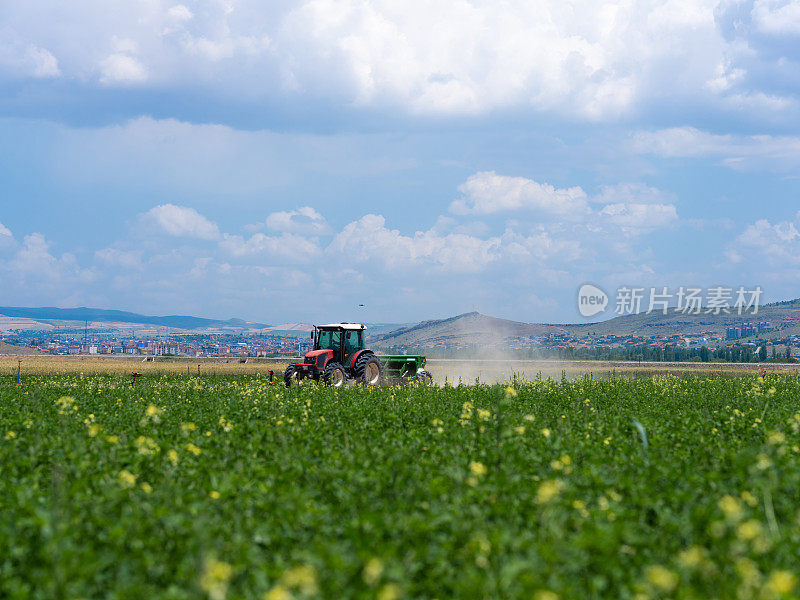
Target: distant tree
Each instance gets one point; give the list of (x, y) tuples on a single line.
[(788, 352), (762, 353), (704, 354)]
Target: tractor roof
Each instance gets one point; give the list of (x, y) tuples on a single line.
[(342, 326)]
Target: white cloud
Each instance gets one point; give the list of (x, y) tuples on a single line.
[(287, 246), (736, 151), (4, 231), (777, 244), (369, 240), (639, 218), (487, 192), (777, 17), (43, 63), (122, 69), (131, 259), (586, 60), (180, 12), (181, 221), (303, 220), (593, 59)]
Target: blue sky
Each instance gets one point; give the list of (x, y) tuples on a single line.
[(289, 163)]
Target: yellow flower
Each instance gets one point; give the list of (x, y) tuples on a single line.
[(146, 487), (692, 557), (187, 428), (112, 439), (520, 430), (484, 414), (215, 577), (146, 445), (511, 392), (93, 429), (546, 433), (225, 424), (214, 494), (153, 413), (302, 577), (172, 455), (436, 422), (781, 583), (279, 592), (607, 441), (549, 490), (749, 530), (749, 498), (731, 507), (775, 437), (65, 402), (661, 578), (764, 462), (478, 468), (545, 595), (529, 418), (193, 449), (126, 479), (390, 591), (373, 569), (10, 435)]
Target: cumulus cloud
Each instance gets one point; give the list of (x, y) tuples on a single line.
[(369, 240), (586, 60), (122, 69), (780, 17), (487, 192), (287, 246), (628, 208), (4, 231), (777, 244), (304, 220), (181, 221), (460, 57)]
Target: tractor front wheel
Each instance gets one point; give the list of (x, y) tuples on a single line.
[(368, 369), (291, 375), (334, 375)]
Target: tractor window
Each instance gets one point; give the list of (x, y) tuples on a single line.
[(329, 340), (352, 342)]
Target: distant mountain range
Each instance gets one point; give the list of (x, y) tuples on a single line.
[(469, 328), (476, 328), (99, 315)]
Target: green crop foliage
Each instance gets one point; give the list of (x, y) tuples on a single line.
[(237, 488)]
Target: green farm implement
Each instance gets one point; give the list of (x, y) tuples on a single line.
[(339, 354)]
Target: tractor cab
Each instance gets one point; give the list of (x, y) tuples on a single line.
[(344, 339)]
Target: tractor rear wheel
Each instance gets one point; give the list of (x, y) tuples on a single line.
[(291, 375), (424, 378), (334, 375), (368, 370)]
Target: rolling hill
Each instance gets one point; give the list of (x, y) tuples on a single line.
[(100, 315), (475, 328)]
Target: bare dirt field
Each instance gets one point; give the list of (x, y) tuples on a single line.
[(450, 371), (494, 370)]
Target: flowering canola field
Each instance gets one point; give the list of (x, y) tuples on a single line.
[(235, 488)]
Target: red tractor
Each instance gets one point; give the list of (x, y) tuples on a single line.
[(338, 355)]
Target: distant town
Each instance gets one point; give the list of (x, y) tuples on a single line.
[(744, 340)]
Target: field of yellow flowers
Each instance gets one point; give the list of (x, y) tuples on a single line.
[(232, 487)]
